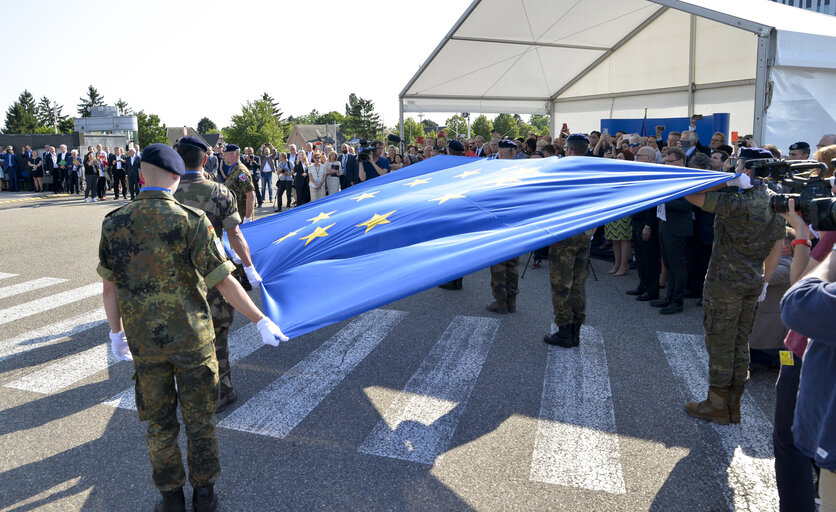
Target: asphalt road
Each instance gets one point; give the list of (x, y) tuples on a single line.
[(430, 403)]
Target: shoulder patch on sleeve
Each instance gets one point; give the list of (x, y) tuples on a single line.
[(242, 177)]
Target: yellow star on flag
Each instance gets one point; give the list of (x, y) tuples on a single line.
[(365, 195), (282, 239), (417, 181), (319, 232), (506, 180), (322, 216), (446, 197), (465, 174), (376, 220)]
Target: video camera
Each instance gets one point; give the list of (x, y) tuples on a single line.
[(365, 150), (803, 181)]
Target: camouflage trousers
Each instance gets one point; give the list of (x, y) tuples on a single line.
[(505, 277), (196, 374), (728, 321), (222, 315), (568, 269)]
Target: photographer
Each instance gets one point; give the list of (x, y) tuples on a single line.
[(371, 164), (253, 164), (748, 235)]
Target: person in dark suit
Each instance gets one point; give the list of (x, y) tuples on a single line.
[(51, 165), (699, 245), (63, 174), (132, 171), (351, 173), (646, 243), (675, 227), (23, 165), (118, 170)]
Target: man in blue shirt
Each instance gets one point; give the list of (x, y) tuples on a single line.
[(10, 168), (376, 165)]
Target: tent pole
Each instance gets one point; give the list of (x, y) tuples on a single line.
[(765, 55), (692, 64), (400, 121)]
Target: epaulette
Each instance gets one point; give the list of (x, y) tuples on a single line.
[(192, 209)]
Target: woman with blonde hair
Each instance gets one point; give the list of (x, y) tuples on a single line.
[(826, 156), (316, 177), (333, 169)]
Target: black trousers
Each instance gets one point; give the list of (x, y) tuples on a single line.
[(647, 260), (101, 187), (258, 198), (133, 184), (72, 183), (284, 188), (119, 178), (698, 256), (673, 254), (303, 194)]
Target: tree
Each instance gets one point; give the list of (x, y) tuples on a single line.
[(430, 125), (330, 118), (123, 109), (151, 130), (274, 106), (49, 112), (482, 126), (21, 117), (524, 129), (506, 125), (456, 124), (541, 123), (255, 125), (360, 118), (411, 130), (206, 125), (66, 126), (93, 99)]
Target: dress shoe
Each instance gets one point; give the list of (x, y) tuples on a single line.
[(693, 295), (562, 338), (511, 303), (647, 296), (449, 286), (699, 303), (671, 309), (660, 303), (498, 307), (173, 501), (637, 291), (204, 499)]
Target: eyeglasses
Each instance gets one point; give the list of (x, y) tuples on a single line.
[(634, 144)]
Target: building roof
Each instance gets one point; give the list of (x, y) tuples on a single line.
[(176, 133), (318, 132)]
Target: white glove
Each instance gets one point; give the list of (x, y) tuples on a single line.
[(270, 332), (234, 257), (252, 275), (762, 296), (119, 346), (741, 181), (247, 219)]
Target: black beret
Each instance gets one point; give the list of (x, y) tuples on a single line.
[(726, 148), (800, 145), (578, 137), (754, 153), (507, 144), (194, 142), (231, 147), (164, 157), (455, 145)]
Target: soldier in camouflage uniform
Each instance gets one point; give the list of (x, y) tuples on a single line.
[(157, 258), (568, 269), (747, 232), (505, 276), (240, 182), (218, 203)]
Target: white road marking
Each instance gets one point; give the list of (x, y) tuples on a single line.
[(51, 334), (242, 342), (29, 286), (6, 276), (277, 409), (746, 468), (37, 307), (420, 422), (577, 444), (57, 376)]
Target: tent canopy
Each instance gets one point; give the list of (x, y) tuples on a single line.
[(584, 61)]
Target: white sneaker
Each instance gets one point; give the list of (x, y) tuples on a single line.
[(95, 199), (86, 199)]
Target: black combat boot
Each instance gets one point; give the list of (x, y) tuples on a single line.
[(173, 501), (562, 338), (204, 499), (576, 334)]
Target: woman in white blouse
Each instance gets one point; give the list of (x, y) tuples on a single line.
[(316, 177), (332, 183)]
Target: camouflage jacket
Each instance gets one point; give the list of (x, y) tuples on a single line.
[(162, 256), (213, 198), (745, 230), (239, 181)]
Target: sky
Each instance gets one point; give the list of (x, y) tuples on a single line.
[(184, 60)]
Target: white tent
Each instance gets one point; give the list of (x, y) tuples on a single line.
[(771, 66)]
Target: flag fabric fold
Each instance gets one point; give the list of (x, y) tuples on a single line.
[(437, 220)]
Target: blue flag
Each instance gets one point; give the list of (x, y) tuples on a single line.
[(437, 220)]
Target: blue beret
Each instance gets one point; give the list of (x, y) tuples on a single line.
[(455, 145), (164, 157), (194, 142), (754, 153), (507, 144), (578, 137), (800, 145), (231, 147)]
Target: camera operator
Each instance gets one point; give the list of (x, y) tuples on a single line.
[(375, 166), (747, 234), (808, 308), (253, 164)]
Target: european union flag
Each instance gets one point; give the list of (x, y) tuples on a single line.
[(439, 219)]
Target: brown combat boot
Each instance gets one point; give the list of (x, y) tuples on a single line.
[(497, 306), (511, 304), (734, 404), (714, 408)]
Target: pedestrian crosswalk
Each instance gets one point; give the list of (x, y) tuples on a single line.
[(575, 439)]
